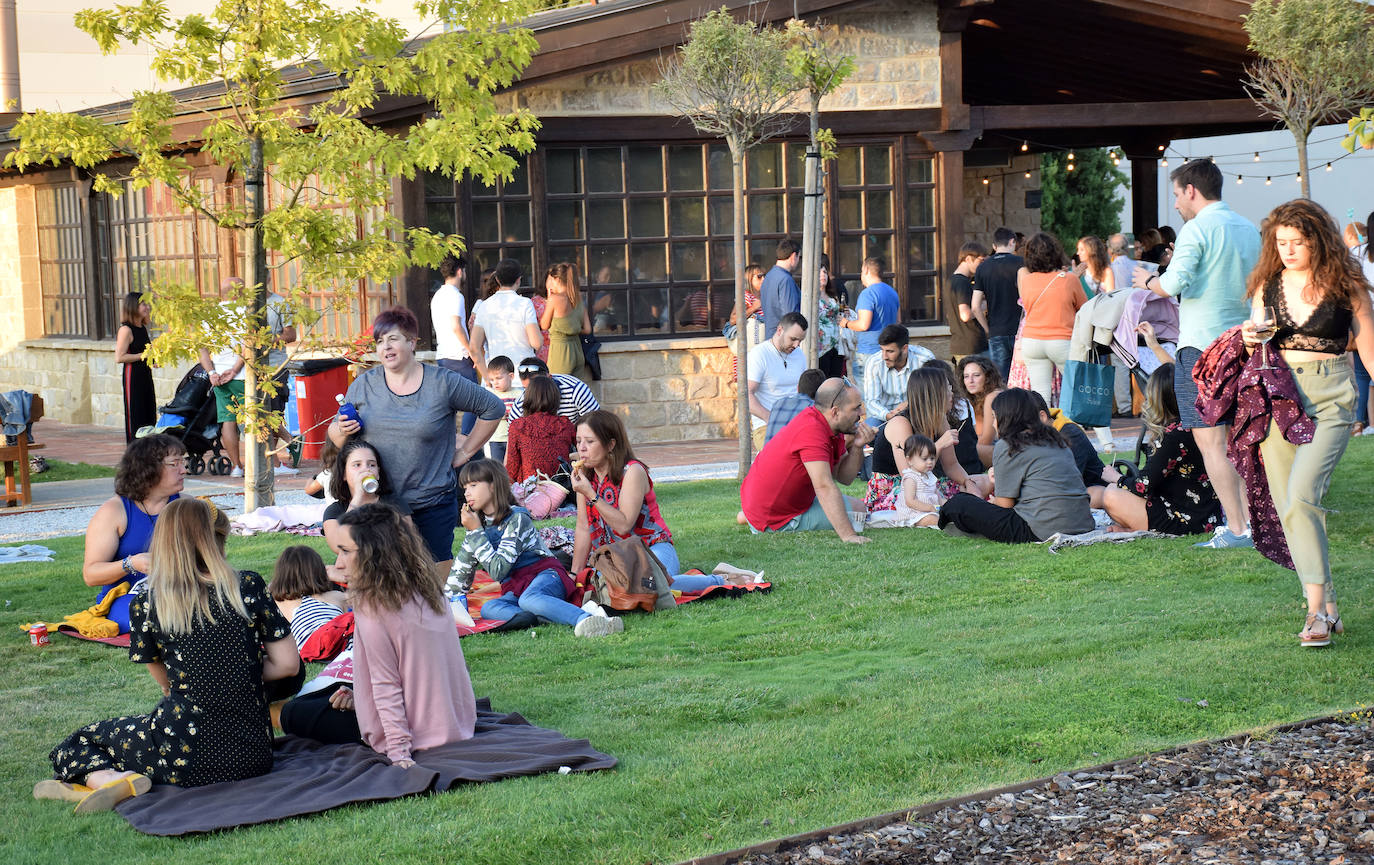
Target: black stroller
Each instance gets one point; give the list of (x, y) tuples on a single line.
[(191, 417)]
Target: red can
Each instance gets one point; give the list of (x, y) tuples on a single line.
[(38, 635)]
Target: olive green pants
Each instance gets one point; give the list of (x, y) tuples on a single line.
[(1299, 475)]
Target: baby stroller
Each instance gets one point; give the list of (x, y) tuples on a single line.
[(191, 417)]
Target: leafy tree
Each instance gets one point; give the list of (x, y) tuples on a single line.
[(732, 80), (1361, 128), (335, 167), (1316, 64), (1081, 201), (818, 71)]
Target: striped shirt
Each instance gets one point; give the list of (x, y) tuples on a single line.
[(310, 615), (575, 399)]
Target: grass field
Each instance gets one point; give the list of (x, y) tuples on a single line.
[(64, 471), (871, 679)]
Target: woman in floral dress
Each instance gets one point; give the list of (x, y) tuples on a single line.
[(1172, 495), (211, 638)]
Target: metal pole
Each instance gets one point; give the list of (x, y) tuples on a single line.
[(811, 255)]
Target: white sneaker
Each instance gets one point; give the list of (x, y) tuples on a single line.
[(595, 609), (285, 470), (595, 626), (236, 473)]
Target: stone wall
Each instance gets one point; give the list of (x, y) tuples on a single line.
[(77, 378), (19, 268), (896, 47), (1002, 200)]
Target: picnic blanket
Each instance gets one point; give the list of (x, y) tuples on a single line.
[(26, 553), (308, 777), (119, 642), (1060, 540)]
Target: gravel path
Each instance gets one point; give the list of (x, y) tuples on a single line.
[(63, 522), (1296, 797)]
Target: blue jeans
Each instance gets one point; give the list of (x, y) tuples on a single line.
[(543, 597), (466, 369), (666, 554), (497, 451), (999, 352)]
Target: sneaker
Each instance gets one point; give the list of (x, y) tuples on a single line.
[(595, 609), (1225, 539), (1316, 631), (595, 626), (285, 470), (236, 473)]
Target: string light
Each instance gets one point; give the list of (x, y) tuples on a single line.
[(1071, 156), (986, 181), (1239, 180), (1164, 163), (1328, 166), (1268, 181), (1298, 178), (1028, 174), (1025, 145), (1257, 156), (1161, 148), (1069, 167)]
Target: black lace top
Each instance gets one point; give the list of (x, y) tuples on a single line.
[(1327, 329)]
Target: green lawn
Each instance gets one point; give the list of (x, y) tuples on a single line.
[(64, 471), (872, 678)]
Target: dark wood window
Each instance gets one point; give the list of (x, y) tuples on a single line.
[(649, 227), (67, 308), (922, 277)]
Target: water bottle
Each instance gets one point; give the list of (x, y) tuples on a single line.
[(348, 411)]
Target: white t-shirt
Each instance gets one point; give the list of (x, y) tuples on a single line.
[(777, 374), (225, 359), (447, 303), (503, 317)]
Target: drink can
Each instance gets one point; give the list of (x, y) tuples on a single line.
[(370, 484), (38, 634)]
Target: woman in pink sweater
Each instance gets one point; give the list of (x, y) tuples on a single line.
[(411, 686)]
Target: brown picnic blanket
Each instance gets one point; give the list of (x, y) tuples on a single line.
[(308, 777)]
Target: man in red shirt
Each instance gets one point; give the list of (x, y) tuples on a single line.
[(793, 485)]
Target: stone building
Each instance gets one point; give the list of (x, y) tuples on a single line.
[(946, 94)]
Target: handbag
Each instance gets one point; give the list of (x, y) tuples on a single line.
[(1086, 396), (752, 331), (626, 575), (591, 355), (539, 495)]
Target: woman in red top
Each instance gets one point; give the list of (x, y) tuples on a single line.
[(615, 498), (541, 437)]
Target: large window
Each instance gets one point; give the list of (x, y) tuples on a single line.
[(922, 283), (62, 264)]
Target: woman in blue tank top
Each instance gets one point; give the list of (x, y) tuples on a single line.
[(150, 474)]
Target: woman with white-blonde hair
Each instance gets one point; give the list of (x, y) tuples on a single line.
[(211, 638)]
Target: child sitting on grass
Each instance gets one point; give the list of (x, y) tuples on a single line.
[(303, 592), (919, 503), (502, 540)]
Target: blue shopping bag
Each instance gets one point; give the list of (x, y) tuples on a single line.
[(1086, 395)]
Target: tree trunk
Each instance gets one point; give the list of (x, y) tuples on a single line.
[(746, 442), (811, 240), (1300, 137), (257, 468)]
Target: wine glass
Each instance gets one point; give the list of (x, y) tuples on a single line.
[(1262, 319)]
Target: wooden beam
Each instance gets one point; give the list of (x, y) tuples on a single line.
[(953, 109), (1090, 115), (1218, 20), (949, 191), (657, 127)]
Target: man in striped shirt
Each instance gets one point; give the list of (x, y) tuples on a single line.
[(885, 374), (575, 399)]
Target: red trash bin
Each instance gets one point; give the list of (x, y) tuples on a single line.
[(317, 382)]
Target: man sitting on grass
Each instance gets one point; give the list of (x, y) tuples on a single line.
[(792, 486)]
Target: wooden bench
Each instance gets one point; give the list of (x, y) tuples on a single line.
[(19, 453)]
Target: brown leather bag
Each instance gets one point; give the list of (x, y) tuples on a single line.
[(625, 575)]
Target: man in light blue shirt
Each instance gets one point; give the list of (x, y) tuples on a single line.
[(878, 307), (1214, 254), (779, 294)]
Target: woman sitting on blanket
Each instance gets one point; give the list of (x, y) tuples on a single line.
[(929, 406), (211, 638), (356, 465), (303, 592), (615, 499), (150, 475), (1039, 491), (502, 541), (410, 683), (1173, 494)]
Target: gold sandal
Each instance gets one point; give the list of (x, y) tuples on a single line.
[(61, 791), (105, 797)]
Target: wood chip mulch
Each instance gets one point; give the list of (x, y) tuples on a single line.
[(1294, 797)]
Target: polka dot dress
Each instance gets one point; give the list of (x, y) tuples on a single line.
[(214, 725)]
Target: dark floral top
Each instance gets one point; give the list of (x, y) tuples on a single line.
[(1179, 498)]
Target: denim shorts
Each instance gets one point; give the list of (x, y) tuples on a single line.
[(435, 524)]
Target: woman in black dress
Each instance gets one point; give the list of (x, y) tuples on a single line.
[(131, 343), (211, 638)]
